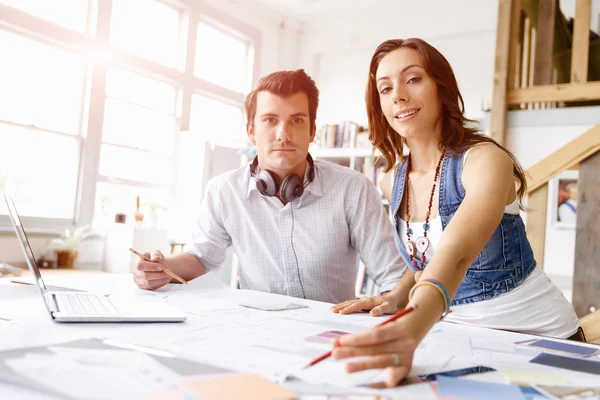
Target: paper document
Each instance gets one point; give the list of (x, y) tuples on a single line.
[(425, 363), (109, 374), (271, 306), (208, 281), (334, 372)]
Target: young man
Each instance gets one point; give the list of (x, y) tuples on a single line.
[(296, 225)]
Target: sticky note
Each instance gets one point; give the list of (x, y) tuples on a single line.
[(235, 387), (528, 378)]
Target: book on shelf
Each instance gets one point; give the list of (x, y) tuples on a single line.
[(346, 134)]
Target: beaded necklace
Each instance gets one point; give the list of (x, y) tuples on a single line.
[(422, 243)]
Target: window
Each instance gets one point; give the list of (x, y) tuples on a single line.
[(223, 59), (40, 109), (41, 85), (138, 140), (139, 112), (55, 11), (86, 127), (39, 169), (217, 121), (147, 28)]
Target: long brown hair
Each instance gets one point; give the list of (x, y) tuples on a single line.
[(457, 137)]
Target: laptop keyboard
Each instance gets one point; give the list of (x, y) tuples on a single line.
[(86, 304)]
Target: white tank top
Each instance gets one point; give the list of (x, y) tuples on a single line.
[(552, 315)]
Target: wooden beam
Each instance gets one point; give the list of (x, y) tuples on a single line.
[(515, 44), (581, 42), (498, 117), (537, 204), (562, 92), (527, 55), (586, 279), (564, 158), (544, 40)]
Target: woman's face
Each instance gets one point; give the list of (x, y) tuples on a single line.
[(408, 95)]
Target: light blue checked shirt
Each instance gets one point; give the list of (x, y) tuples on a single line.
[(308, 247)]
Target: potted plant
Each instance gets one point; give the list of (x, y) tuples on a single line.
[(68, 244), (155, 208)]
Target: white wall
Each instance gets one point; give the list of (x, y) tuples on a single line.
[(337, 51)]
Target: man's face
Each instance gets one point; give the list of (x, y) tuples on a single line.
[(572, 190), (281, 132)]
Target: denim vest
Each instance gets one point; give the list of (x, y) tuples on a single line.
[(505, 261)]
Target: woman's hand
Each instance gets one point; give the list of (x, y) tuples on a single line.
[(390, 346), (379, 305)]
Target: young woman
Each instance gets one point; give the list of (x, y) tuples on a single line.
[(456, 217)]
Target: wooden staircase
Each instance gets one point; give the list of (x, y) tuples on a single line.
[(531, 40)]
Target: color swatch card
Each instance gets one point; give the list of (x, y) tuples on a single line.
[(235, 387), (560, 348), (326, 337), (528, 378), (476, 390), (573, 364)]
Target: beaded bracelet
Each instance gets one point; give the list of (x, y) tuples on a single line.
[(440, 288)]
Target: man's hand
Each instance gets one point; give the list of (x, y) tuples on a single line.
[(149, 274), (379, 305)]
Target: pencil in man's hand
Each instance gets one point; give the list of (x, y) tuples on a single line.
[(142, 256), (394, 317), (166, 270)]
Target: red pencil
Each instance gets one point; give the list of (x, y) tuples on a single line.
[(394, 317)]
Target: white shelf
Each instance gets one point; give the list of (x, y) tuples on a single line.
[(338, 152)]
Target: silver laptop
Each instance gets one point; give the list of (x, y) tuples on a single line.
[(79, 306)]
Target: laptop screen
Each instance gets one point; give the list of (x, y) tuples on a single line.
[(31, 262)]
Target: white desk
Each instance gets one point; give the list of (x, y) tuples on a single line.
[(208, 334)]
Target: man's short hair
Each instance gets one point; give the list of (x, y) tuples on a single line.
[(285, 84)]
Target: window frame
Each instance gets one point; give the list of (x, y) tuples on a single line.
[(98, 55), (225, 100), (226, 29)]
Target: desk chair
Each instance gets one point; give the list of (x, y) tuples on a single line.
[(591, 327), (174, 246)]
